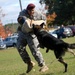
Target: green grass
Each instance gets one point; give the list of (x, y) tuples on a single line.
[(12, 64)]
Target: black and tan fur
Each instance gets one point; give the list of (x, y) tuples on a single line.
[(51, 43)]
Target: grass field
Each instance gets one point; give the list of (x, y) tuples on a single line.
[(12, 64)]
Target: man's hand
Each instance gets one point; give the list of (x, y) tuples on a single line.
[(21, 20)]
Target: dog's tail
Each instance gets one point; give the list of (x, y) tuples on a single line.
[(71, 46)]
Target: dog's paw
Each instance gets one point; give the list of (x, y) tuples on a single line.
[(65, 68), (47, 50)]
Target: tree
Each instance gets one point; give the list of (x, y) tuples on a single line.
[(1, 13), (2, 30), (64, 9)]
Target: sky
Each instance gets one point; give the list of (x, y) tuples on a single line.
[(12, 8)]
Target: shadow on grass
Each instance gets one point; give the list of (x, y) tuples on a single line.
[(70, 57), (48, 74), (23, 74), (55, 73), (45, 73), (41, 74)]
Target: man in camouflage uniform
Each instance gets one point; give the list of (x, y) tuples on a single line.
[(26, 36)]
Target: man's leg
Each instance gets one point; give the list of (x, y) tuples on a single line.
[(25, 57), (21, 47), (33, 45)]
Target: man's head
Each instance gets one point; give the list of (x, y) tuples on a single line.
[(30, 9)]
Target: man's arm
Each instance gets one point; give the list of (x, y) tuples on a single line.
[(21, 20)]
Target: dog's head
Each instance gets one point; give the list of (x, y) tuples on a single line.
[(37, 28)]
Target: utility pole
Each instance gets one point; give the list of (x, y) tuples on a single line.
[(20, 5)]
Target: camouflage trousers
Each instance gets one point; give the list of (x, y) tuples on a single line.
[(31, 40)]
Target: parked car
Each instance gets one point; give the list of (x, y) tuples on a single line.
[(73, 29), (2, 45), (53, 33), (64, 32), (11, 41)]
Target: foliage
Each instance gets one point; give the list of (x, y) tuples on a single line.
[(12, 27), (64, 9), (8, 29), (1, 13), (50, 18), (2, 31)]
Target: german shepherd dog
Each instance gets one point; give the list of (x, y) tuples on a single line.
[(51, 43)]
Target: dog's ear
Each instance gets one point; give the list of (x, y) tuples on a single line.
[(42, 25)]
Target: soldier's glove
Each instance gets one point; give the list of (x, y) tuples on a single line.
[(21, 20)]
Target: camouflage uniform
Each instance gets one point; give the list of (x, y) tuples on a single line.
[(30, 39)]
